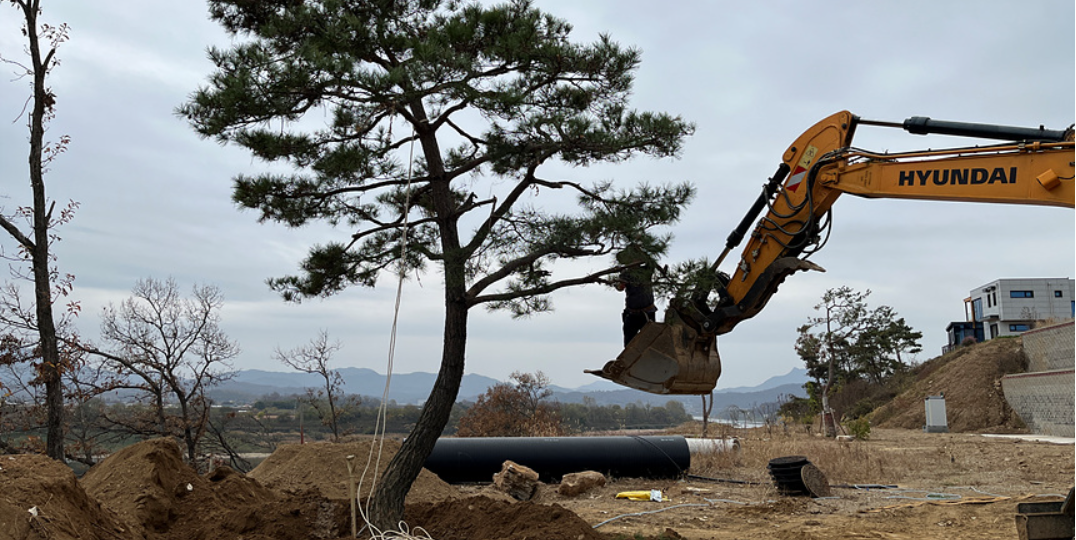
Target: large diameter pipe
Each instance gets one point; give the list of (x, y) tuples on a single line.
[(713, 446), (477, 459)]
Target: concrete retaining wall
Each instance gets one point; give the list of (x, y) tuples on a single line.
[(1044, 396), (1050, 348), (1044, 400)]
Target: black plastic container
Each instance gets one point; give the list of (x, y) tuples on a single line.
[(787, 474)]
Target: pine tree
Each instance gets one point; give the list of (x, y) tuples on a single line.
[(492, 100)]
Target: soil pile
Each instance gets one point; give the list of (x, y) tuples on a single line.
[(970, 379), (40, 498), (147, 492), (481, 517), (161, 498), (145, 484), (322, 467), (432, 505)]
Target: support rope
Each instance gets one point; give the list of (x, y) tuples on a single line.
[(403, 532)]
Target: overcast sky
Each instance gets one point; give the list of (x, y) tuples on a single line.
[(155, 199)]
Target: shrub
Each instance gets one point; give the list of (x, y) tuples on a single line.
[(514, 410), (860, 428)]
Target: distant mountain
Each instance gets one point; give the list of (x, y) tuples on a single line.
[(599, 385), (797, 376), (723, 399), (406, 388), (413, 388)]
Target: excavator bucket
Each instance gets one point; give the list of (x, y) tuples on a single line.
[(666, 358)]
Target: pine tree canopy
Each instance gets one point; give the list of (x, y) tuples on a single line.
[(337, 95)]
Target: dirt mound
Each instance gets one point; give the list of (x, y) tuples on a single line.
[(161, 498), (40, 498), (146, 491), (970, 379), (144, 483), (145, 496), (322, 467), (483, 518)]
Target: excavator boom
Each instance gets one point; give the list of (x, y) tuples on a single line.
[(679, 356)]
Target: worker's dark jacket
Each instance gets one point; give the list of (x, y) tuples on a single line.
[(638, 300), (638, 293)]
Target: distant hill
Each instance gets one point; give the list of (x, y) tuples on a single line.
[(413, 388), (969, 378), (798, 376), (743, 398), (406, 388)]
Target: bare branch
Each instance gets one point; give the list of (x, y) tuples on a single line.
[(16, 233)]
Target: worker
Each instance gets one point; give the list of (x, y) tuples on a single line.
[(636, 283)]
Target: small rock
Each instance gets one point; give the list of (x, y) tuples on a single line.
[(581, 482), (516, 480)]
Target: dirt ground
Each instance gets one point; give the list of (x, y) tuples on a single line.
[(959, 486), (901, 483)]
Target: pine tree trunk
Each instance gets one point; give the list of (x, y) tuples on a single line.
[(387, 503)]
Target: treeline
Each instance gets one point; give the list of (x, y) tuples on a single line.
[(583, 417), (282, 414), (96, 427)]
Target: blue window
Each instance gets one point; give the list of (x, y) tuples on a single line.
[(1058, 294), (1021, 294), (1019, 328)]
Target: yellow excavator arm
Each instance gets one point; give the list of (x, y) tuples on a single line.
[(679, 356)]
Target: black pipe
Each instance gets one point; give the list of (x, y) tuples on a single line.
[(477, 459), (921, 125)]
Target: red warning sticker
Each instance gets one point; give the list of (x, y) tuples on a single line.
[(796, 178), (800, 171)]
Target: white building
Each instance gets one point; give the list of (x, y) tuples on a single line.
[(1007, 307)]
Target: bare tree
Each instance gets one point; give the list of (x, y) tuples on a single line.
[(769, 413), (18, 397), (314, 359), (34, 242), (88, 431), (173, 350), (227, 430), (707, 408)]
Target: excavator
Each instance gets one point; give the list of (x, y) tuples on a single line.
[(679, 355)]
